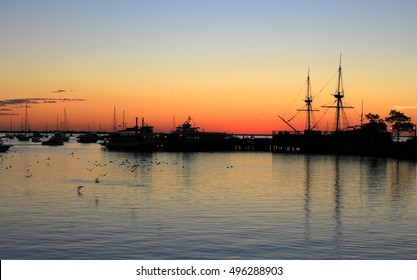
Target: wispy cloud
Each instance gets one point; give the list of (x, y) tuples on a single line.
[(9, 104), (405, 107), (7, 112), (62, 91)]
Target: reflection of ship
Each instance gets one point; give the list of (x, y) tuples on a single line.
[(4, 147), (187, 137), (135, 138), (365, 139)]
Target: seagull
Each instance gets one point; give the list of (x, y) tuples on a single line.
[(71, 154), (79, 190)]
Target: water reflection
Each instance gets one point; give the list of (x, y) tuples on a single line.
[(402, 183), (374, 172), (337, 213), (307, 197), (293, 206)]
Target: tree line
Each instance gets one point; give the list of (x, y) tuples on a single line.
[(398, 121)]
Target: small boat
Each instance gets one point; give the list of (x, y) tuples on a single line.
[(36, 137), (53, 141), (61, 136), (4, 147), (23, 137), (88, 138)]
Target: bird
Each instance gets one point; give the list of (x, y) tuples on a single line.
[(71, 154), (79, 190)]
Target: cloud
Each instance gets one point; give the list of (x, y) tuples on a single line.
[(405, 107), (7, 112), (9, 104), (62, 90)]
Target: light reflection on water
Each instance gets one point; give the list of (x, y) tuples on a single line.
[(204, 205)]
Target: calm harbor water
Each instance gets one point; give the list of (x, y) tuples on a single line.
[(203, 205)]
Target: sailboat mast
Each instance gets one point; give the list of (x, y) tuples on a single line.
[(114, 119), (66, 126), (26, 118), (123, 123)]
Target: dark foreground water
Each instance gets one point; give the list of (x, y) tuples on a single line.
[(203, 205)]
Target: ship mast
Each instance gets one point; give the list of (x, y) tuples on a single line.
[(339, 97), (308, 100)]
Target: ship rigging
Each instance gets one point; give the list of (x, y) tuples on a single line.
[(339, 94), (341, 121)]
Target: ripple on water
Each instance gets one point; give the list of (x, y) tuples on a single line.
[(191, 206)]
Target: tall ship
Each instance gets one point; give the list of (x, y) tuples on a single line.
[(364, 139), (135, 138), (188, 138)]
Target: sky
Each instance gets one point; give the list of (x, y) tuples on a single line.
[(233, 66)]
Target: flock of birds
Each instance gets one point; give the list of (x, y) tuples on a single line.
[(101, 169)]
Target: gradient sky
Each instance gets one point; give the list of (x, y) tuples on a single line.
[(232, 65)]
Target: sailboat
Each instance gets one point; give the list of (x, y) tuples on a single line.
[(25, 136)]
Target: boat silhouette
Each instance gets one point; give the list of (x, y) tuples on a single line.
[(135, 139), (4, 147), (364, 139), (187, 137)]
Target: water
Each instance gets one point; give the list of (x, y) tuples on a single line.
[(203, 205)]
